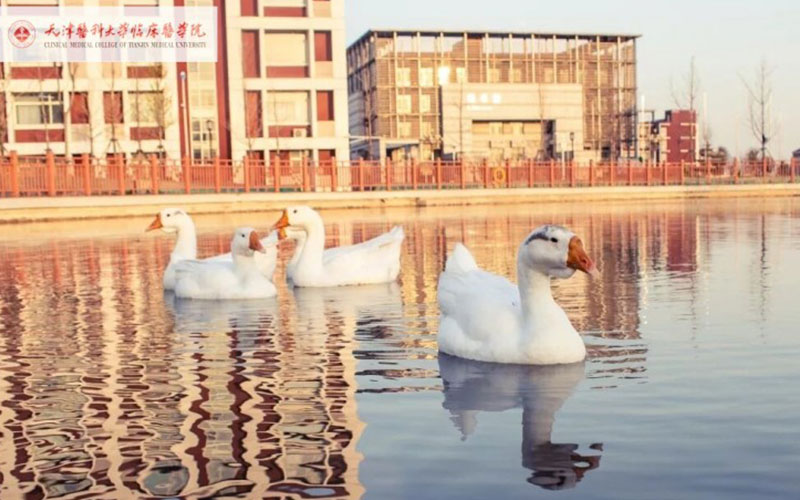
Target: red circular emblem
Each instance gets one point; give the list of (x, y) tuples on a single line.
[(21, 34)]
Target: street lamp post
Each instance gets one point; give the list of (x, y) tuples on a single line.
[(572, 146), (209, 129)]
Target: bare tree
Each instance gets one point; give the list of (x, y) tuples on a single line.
[(760, 117), (3, 119), (161, 104), (114, 115), (686, 95)]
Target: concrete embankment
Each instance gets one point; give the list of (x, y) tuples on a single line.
[(16, 210)]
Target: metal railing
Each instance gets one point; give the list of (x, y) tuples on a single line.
[(84, 176)]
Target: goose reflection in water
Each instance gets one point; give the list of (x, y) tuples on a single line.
[(219, 315), (347, 306), (471, 387)]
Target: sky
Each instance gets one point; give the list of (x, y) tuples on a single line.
[(727, 38)]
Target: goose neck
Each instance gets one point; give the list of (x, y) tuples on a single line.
[(186, 242), (535, 292)]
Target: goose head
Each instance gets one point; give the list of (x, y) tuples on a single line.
[(246, 242), (556, 252), (300, 217), (170, 220)]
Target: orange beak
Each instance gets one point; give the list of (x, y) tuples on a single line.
[(156, 224), (255, 243), (578, 260), (282, 222)]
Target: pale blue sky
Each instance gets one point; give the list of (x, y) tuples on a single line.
[(727, 37)]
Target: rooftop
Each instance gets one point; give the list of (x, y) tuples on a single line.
[(604, 37)]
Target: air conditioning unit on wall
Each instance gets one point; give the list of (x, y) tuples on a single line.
[(300, 132)]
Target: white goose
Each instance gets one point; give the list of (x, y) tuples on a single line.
[(219, 280), (371, 262), (487, 318), (175, 220)]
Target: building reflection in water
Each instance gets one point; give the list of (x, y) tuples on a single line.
[(472, 387), (111, 389)]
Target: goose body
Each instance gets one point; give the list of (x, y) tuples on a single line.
[(239, 278), (371, 262), (485, 317), (177, 221)]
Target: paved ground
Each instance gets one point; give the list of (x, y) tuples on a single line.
[(48, 209)]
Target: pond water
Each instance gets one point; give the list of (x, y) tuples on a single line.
[(110, 389)]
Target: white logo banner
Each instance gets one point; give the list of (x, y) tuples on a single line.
[(108, 34)]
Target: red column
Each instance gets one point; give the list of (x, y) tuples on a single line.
[(463, 175), (14, 161), (120, 167), (414, 174), (508, 174), (187, 175), (791, 169), (708, 168), (438, 174), (666, 165), (683, 173), (87, 174), (217, 175), (51, 173), (388, 174), (530, 174), (591, 173), (276, 174), (630, 173), (736, 170), (305, 176), (649, 173), (154, 173), (361, 174), (552, 173), (573, 174), (334, 176), (246, 168), (612, 174)]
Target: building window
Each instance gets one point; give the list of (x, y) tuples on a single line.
[(285, 8), (203, 139), (444, 75), (403, 104), (426, 77), (425, 103), (287, 50), (287, 108), (38, 108), (322, 46), (252, 114), (112, 107), (249, 7), (250, 54), (403, 77), (405, 129), (79, 108), (144, 107), (325, 105)]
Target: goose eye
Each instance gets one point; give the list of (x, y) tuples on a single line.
[(169, 215), (554, 240), (294, 211)]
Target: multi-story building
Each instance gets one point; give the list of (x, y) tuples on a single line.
[(492, 95), (672, 139), (278, 89)]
